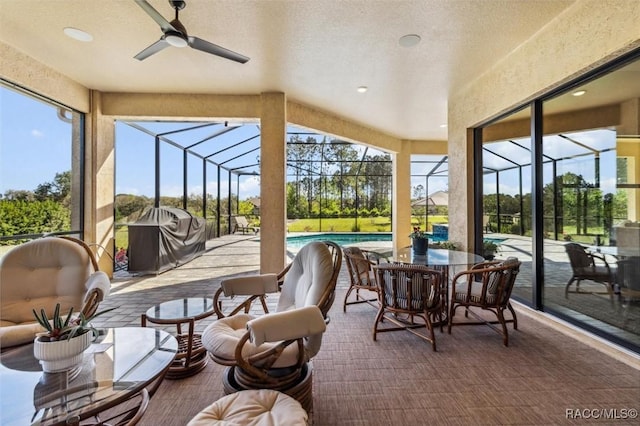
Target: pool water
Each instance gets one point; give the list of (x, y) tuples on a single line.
[(342, 238)]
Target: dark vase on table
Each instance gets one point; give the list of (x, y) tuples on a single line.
[(419, 246)]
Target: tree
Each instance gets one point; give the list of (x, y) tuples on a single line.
[(59, 190), (19, 195)]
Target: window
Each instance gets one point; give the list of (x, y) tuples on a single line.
[(41, 146), (589, 192)]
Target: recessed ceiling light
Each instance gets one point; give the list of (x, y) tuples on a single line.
[(579, 93), (409, 40), (362, 89), (443, 125), (77, 34)]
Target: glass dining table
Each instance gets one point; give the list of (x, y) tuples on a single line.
[(117, 367)]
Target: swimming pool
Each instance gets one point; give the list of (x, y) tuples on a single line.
[(342, 238)]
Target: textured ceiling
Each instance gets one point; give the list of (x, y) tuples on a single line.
[(316, 51)]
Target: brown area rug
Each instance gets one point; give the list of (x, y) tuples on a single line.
[(472, 379)]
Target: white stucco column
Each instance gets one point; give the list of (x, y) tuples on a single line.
[(99, 185), (401, 202), (273, 204)]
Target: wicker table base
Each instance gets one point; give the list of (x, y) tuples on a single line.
[(192, 356), (185, 365), (302, 390)]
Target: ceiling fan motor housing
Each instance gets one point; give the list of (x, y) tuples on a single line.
[(177, 4)]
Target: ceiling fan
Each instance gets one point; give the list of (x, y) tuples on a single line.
[(175, 34)]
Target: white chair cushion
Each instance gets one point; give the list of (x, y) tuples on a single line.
[(262, 407), (308, 277), (222, 336)]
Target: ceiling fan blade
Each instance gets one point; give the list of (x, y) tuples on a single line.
[(164, 24), (214, 49), (154, 48)]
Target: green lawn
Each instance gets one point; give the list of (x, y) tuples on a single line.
[(367, 224)]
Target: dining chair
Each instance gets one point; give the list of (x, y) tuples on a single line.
[(486, 286), (628, 279), (273, 350), (360, 263), (410, 298), (586, 265)]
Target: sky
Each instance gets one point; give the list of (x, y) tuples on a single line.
[(35, 146)]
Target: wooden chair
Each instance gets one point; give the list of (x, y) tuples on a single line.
[(272, 351), (486, 286), (588, 266), (361, 277), (407, 293)]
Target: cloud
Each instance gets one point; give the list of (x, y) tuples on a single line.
[(127, 190), (250, 187), (37, 133)]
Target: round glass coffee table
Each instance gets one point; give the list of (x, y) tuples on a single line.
[(116, 368), (192, 356)]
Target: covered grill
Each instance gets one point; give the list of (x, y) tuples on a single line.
[(165, 238)]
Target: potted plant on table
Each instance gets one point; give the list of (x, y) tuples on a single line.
[(419, 241), (489, 249), (61, 346)]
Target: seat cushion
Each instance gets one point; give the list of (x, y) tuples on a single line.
[(476, 293), (40, 273), (221, 338), (261, 407), (18, 334)]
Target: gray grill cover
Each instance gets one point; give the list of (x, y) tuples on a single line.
[(165, 238)]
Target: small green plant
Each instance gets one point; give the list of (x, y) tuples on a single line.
[(417, 233), (489, 247), (59, 328), (448, 245)]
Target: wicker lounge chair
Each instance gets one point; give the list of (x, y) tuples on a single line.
[(272, 351), (40, 273)]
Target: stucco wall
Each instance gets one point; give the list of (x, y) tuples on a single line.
[(23, 70), (588, 34)]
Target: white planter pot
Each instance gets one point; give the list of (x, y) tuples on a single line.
[(61, 355)]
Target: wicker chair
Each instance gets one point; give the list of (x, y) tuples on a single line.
[(588, 266), (272, 351), (407, 293), (628, 278), (361, 277), (486, 286), (40, 273)]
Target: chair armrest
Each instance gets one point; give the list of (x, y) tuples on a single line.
[(595, 256), (98, 287), (98, 281), (374, 257), (250, 285), (287, 325)]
